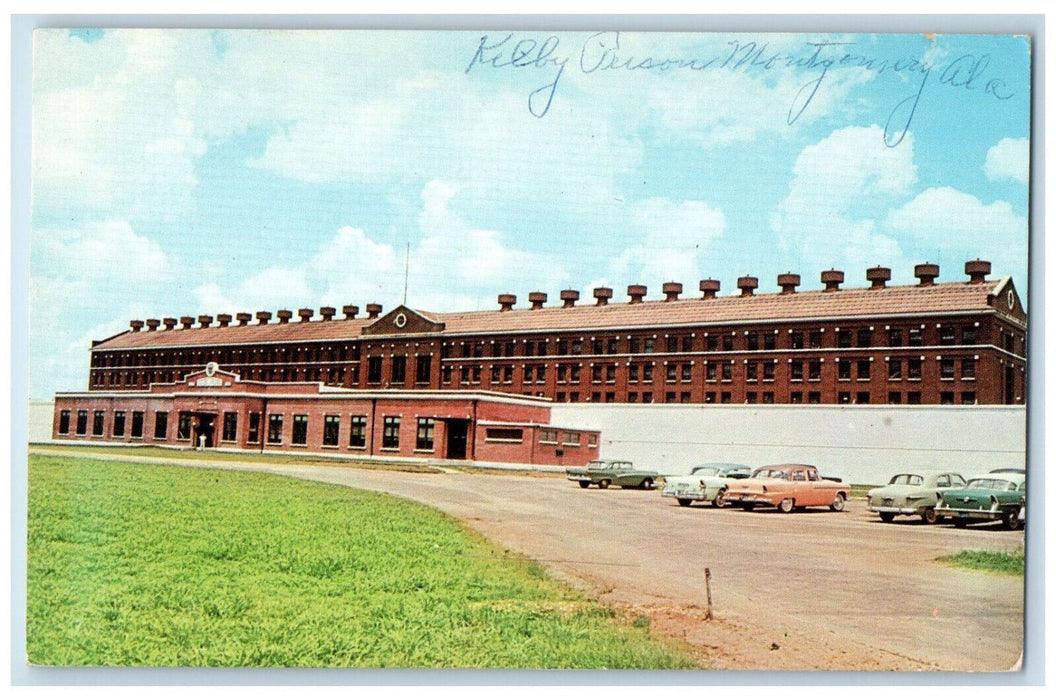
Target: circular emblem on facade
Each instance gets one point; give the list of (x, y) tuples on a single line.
[(1011, 300), (400, 320), (210, 369)]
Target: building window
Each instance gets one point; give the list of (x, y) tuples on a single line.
[(529, 371), (843, 369), (796, 371), (300, 430), (843, 338), (426, 427), (768, 397), (947, 335), (814, 397), (915, 369), (390, 438), (632, 397), (496, 374), (687, 372), (712, 343), (422, 369), (913, 397), (357, 436), (137, 424), (863, 397), (504, 435), (894, 337), (751, 371), (968, 368), (572, 439), (797, 340), (814, 367), (446, 374), (687, 343), (768, 371), (946, 398), (769, 341), (632, 373), (230, 433), (548, 436), (669, 397), (595, 374), (727, 371), (161, 425), (64, 422), (946, 369), (968, 397), (968, 335), (863, 369), (598, 346), (815, 340), (727, 342), (577, 347), (894, 397), (844, 397), (97, 422), (573, 374), (331, 430), (183, 428), (865, 337), (795, 397), (750, 397), (752, 340), (399, 369), (254, 428), (119, 424), (894, 369), (672, 373), (650, 345), (275, 428), (373, 370), (711, 371), (916, 338)]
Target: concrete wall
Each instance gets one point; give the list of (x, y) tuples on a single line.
[(861, 444)]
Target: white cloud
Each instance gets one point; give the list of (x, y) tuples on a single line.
[(674, 240), (840, 186), (1009, 160)]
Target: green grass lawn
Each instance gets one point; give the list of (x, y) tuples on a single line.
[(149, 565), (984, 560)]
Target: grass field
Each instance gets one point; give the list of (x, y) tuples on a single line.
[(148, 565), (983, 560)]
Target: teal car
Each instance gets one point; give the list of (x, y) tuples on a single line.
[(998, 495), (612, 472)]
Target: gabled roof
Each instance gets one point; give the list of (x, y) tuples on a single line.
[(845, 303)]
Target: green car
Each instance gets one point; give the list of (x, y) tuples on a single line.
[(998, 495), (612, 472)]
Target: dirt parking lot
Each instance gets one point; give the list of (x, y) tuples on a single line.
[(807, 590)]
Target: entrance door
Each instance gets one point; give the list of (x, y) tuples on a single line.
[(205, 427), (457, 433)]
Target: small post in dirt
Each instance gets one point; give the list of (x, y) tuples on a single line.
[(707, 586)]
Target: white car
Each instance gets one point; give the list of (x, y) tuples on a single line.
[(912, 493), (706, 482)]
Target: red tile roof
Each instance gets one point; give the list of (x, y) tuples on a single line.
[(845, 303)]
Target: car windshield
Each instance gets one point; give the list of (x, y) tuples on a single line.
[(992, 484), (706, 471), (907, 479), (599, 465), (769, 473)]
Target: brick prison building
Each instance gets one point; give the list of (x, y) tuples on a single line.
[(465, 384)]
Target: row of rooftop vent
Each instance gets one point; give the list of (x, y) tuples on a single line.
[(927, 273)]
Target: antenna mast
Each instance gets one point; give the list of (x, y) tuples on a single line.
[(406, 271)]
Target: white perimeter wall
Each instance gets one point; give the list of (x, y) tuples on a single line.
[(860, 444)]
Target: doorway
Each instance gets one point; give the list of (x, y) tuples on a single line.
[(457, 434), (203, 425)]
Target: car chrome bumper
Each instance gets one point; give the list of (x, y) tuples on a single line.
[(749, 498), (676, 493), (895, 510), (971, 514)]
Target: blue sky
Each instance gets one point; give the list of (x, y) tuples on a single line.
[(186, 172)]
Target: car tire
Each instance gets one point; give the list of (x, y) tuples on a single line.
[(1012, 521), (929, 517), (786, 505), (720, 499), (584, 484), (748, 506), (647, 484), (960, 522), (838, 503), (604, 484), (887, 517), (685, 502)]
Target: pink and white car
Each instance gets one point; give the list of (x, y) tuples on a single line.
[(786, 487)]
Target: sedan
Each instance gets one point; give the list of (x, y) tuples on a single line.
[(912, 493)]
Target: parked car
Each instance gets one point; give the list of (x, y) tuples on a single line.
[(788, 486), (997, 495), (912, 493), (706, 482), (612, 472)]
